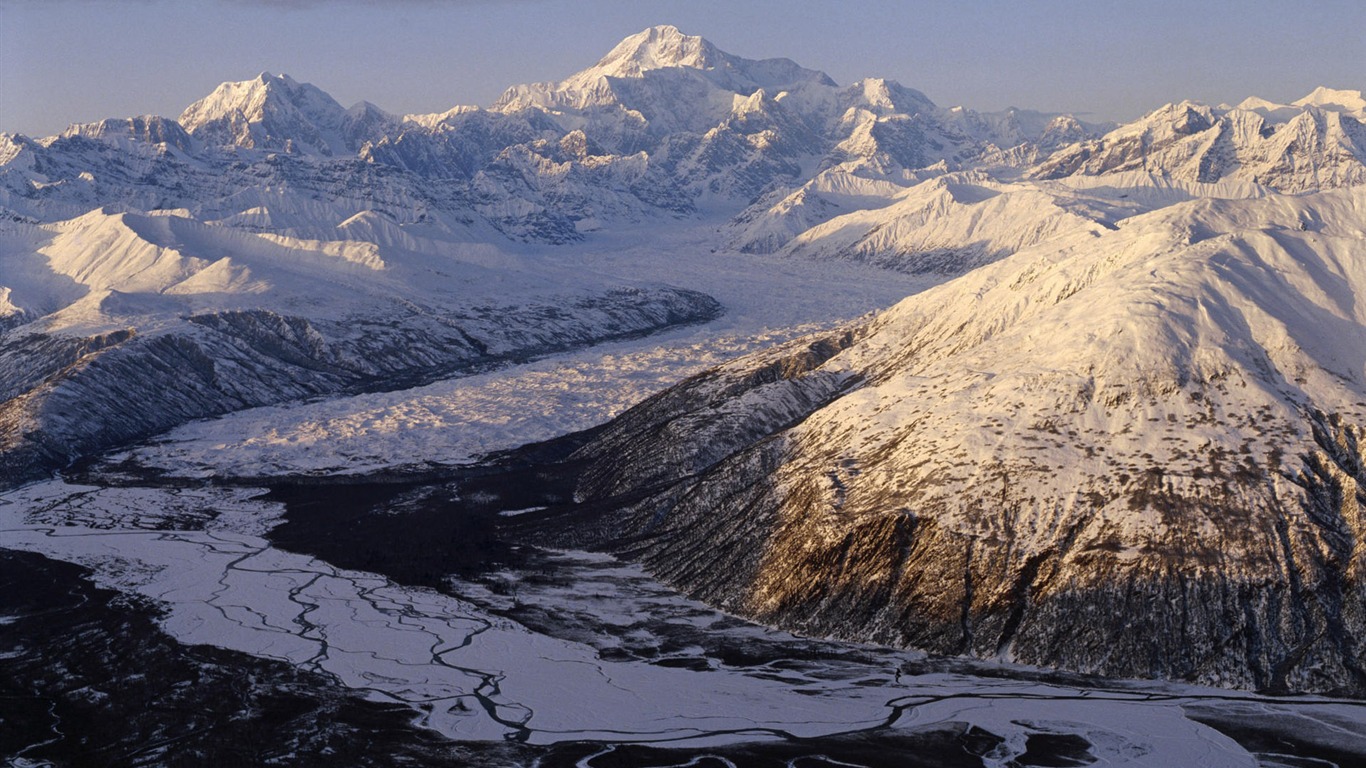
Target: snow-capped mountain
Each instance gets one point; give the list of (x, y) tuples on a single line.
[(1318, 142), (276, 113), (157, 243), (664, 126), (662, 122), (862, 204), (1122, 435), (666, 83), (1135, 452), (951, 223)]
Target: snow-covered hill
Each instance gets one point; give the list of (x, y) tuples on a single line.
[(1136, 452)]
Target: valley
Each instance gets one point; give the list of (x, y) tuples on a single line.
[(690, 410), (508, 653)]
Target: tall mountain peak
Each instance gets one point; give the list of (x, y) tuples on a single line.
[(249, 97), (658, 47), (674, 81), (268, 112), (664, 47)]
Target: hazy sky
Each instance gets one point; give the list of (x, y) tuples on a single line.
[(64, 61)]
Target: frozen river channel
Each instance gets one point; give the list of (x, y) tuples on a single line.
[(551, 653)]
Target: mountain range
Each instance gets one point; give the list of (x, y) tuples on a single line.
[(1122, 435)]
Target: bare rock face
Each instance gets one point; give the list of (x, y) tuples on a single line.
[(1138, 454)]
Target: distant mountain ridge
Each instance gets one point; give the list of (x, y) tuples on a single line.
[(662, 123), (665, 118), (1318, 142)]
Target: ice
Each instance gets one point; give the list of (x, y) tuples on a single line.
[(470, 674), (768, 301)]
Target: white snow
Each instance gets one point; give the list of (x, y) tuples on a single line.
[(1072, 362), (454, 421), (1349, 101), (960, 370)]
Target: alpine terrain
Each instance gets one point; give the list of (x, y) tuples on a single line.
[(418, 422)]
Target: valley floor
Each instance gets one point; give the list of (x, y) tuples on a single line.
[(539, 649)]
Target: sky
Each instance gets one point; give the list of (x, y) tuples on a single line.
[(66, 61)]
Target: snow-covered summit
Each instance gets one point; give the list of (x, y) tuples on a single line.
[(1328, 99), (664, 46), (1319, 142), (668, 81), (882, 96), (1272, 111), (269, 112), (1323, 97), (656, 48)]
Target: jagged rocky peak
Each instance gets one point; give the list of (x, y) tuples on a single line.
[(367, 122), (1177, 119), (269, 112), (11, 144), (1063, 129), (1182, 118), (577, 145)]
